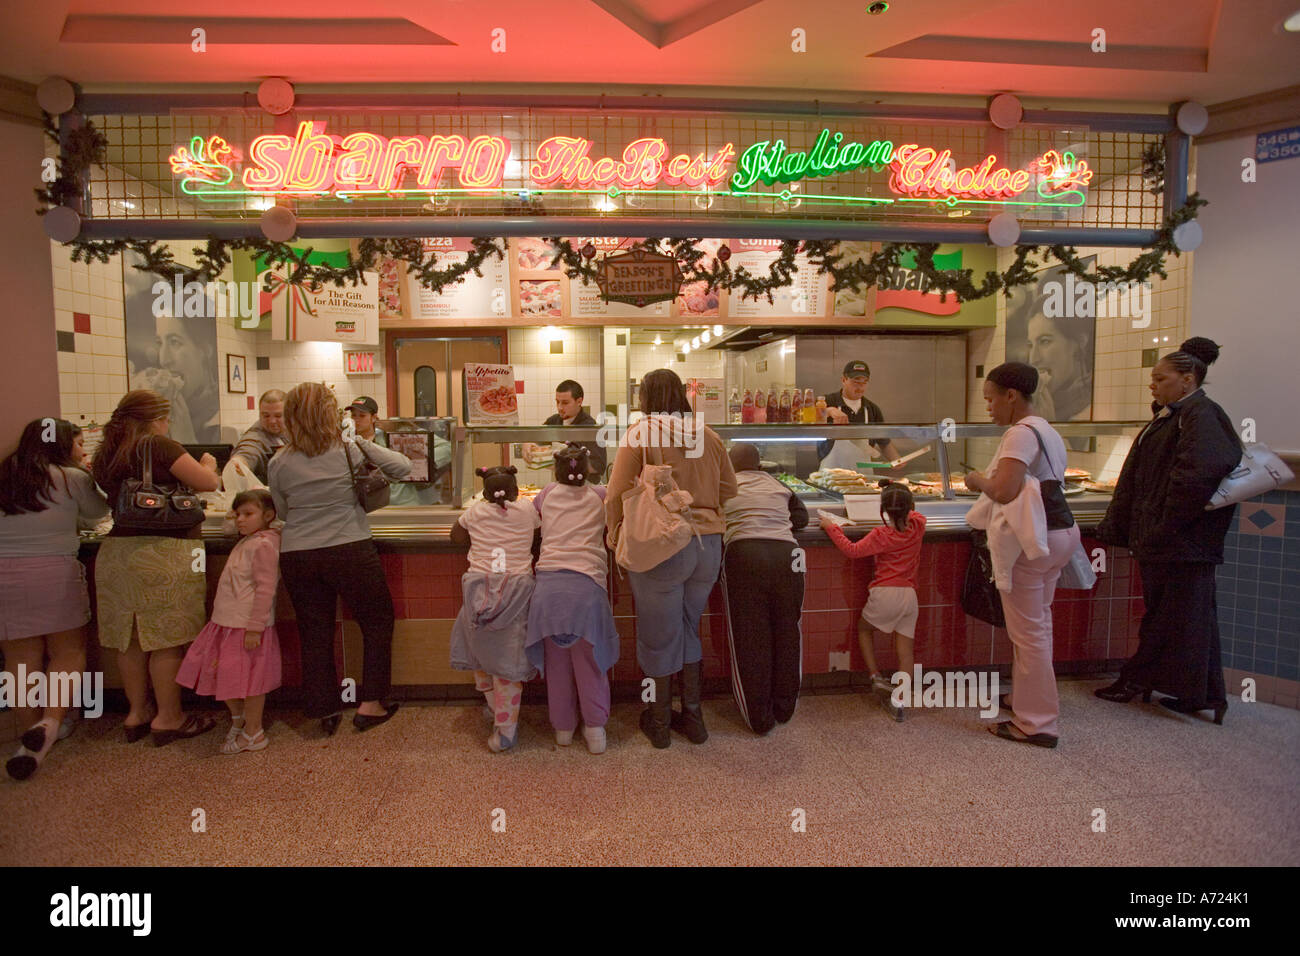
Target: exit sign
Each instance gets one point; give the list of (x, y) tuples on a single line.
[(359, 363)]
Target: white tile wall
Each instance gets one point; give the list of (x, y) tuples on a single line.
[(540, 371)]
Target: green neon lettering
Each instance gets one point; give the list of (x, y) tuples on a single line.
[(852, 155), (815, 154), (747, 167), (793, 166)]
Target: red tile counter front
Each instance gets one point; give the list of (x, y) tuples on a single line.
[(1091, 628)]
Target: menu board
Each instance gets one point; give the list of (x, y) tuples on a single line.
[(474, 297), (490, 395), (415, 446), (806, 296), (696, 299), (325, 313)]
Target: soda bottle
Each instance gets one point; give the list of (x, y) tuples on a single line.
[(747, 408), (760, 407), (787, 407), (773, 406), (796, 406), (821, 409), (734, 408), (809, 406)]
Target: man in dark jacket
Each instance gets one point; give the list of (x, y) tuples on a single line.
[(1158, 513), (568, 411)]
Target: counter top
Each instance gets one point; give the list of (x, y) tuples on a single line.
[(429, 528)]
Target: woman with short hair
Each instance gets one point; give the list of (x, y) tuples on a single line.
[(327, 552), (1030, 447), (150, 596), (671, 597), (1158, 513), (45, 498)]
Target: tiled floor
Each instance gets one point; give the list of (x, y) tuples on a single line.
[(936, 789)]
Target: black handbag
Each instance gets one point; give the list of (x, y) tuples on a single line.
[(142, 506), (979, 593), (368, 482)]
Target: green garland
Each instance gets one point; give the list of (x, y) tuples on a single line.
[(86, 146)]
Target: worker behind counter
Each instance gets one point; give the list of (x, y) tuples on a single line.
[(850, 406), (568, 411), (365, 413)]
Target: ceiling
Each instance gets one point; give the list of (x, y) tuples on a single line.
[(1157, 51)]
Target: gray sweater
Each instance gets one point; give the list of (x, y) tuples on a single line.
[(314, 496), (74, 502)]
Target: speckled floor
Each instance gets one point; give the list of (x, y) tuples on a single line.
[(936, 789)]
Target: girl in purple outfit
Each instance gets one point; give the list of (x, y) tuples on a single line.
[(571, 635), (236, 657)]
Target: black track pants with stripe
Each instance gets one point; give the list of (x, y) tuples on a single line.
[(764, 596)]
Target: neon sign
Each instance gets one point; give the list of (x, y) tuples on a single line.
[(366, 165), (771, 163), (564, 159)]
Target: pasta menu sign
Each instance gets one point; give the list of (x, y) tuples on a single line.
[(490, 395)]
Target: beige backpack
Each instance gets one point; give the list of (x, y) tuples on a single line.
[(656, 519)]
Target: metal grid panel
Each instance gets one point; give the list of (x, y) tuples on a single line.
[(1117, 197)]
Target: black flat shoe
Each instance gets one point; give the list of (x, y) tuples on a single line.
[(330, 724), (21, 767), (1121, 692), (193, 727), (689, 725), (655, 732), (366, 722), (1178, 707), (1009, 731)]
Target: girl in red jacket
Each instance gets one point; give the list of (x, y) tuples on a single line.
[(891, 608)]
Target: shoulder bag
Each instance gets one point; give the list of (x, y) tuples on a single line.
[(979, 593), (142, 506), (1259, 472), (369, 483), (1078, 574), (656, 519)]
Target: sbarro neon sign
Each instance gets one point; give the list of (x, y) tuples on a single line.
[(644, 164)]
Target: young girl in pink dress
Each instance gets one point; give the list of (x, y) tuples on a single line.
[(236, 657)]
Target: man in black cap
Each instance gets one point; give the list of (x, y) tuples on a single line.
[(365, 410), (850, 406)]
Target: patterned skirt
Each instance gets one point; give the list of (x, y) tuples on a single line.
[(149, 582)]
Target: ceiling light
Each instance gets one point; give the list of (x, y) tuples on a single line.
[(1292, 23), (717, 330), (605, 204), (686, 348), (658, 340), (706, 336), (695, 342)]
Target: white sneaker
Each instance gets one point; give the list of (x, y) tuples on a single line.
[(69, 723), (595, 737), (564, 737)]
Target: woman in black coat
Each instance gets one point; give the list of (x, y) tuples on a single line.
[(1159, 514)]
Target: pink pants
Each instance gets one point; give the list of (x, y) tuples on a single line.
[(574, 678), (1028, 607)]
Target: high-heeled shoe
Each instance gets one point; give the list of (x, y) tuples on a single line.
[(366, 722), (1178, 707), (330, 724), (1121, 692)]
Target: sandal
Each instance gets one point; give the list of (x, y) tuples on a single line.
[(138, 731), (241, 742), (1009, 731), (193, 727)]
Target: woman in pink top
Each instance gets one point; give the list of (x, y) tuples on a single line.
[(236, 657), (891, 608)]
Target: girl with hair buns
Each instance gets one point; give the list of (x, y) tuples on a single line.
[(1031, 456), (491, 629), (150, 598), (327, 552), (1158, 513)]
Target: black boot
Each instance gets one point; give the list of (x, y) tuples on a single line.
[(690, 722), (655, 717), (1121, 692)]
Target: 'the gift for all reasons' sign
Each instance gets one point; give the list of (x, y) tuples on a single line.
[(639, 277), (324, 313)]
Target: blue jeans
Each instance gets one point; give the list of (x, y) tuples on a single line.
[(670, 600)]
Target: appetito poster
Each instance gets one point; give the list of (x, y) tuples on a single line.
[(474, 297), (805, 296), (491, 397), (324, 313)]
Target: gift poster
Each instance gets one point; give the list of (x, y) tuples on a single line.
[(708, 399), (587, 300), (247, 268), (490, 394), (323, 313), (474, 297), (806, 296)]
